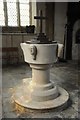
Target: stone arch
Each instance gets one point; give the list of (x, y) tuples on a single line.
[(75, 46), (73, 15)]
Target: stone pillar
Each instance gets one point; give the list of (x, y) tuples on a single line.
[(40, 74)]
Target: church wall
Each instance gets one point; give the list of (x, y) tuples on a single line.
[(50, 20), (60, 19)]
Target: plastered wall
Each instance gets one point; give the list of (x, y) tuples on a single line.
[(60, 19)]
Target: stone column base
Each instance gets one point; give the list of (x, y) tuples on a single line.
[(41, 97)]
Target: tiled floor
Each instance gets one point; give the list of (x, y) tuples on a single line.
[(64, 74)]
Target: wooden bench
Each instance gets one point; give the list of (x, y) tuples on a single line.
[(9, 54)]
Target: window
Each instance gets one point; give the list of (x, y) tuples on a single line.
[(14, 13), (24, 12)]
